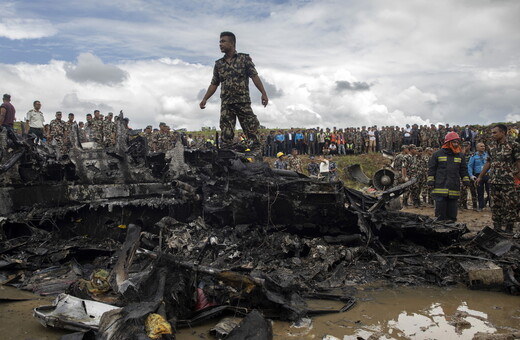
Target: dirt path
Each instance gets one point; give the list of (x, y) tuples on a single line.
[(474, 220)]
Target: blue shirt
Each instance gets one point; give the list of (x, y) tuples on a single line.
[(476, 163), (280, 137), (298, 136)]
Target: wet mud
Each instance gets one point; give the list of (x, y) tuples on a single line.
[(381, 313), (406, 313)]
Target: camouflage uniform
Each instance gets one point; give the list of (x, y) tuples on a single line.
[(234, 94), (505, 196), (413, 171), (434, 138), (295, 164), (313, 169), (279, 164), (389, 138), (68, 133), (463, 202), (163, 141), (359, 143), (399, 162), (398, 139), (96, 131), (83, 135), (57, 133), (425, 191), (149, 140), (109, 131), (424, 136), (333, 171)]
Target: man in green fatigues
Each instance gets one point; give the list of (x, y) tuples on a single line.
[(233, 72), (504, 160)]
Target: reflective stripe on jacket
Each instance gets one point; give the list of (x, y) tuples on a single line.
[(445, 170)]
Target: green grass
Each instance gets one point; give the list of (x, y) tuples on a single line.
[(370, 163)]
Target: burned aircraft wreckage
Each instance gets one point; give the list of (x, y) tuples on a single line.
[(164, 240)]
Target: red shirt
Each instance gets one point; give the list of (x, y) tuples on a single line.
[(9, 114)]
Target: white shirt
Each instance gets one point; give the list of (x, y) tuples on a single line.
[(324, 166), (35, 118)]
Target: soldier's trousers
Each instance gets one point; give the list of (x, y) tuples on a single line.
[(248, 121), (463, 202), (505, 206), (415, 194)]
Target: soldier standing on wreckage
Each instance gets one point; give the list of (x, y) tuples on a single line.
[(109, 131), (504, 161), (57, 129), (446, 168), (233, 72), (96, 129)]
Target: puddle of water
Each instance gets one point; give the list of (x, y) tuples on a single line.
[(390, 313), (405, 313)]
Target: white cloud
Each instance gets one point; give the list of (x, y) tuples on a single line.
[(92, 69), (323, 62), (16, 28)]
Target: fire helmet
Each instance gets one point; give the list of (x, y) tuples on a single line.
[(451, 136)]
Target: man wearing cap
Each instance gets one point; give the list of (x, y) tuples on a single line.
[(163, 139), (109, 130), (280, 162), (446, 168), (57, 129), (149, 135), (35, 121), (7, 113), (96, 129), (233, 72), (504, 160), (69, 125)]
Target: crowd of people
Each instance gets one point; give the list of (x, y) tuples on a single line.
[(450, 163), (359, 140)]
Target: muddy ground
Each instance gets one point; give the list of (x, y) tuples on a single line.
[(474, 220), (383, 311)]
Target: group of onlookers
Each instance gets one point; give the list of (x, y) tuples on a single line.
[(358, 140)]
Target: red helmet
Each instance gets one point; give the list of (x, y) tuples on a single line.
[(451, 136)]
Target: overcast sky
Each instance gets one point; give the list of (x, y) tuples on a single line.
[(326, 63)]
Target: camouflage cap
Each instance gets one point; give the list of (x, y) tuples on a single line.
[(412, 147), (404, 147), (110, 114), (162, 124), (466, 143), (149, 127)]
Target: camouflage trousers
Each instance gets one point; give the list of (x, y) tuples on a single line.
[(463, 201), (415, 193), (248, 121), (505, 206)]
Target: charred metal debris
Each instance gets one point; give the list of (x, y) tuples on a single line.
[(137, 244)]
